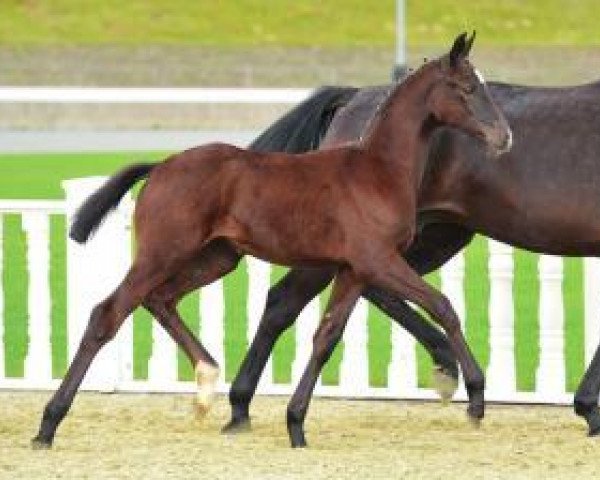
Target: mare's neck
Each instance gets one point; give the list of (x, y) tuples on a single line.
[(399, 135)]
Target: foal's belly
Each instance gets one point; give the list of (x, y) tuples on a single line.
[(290, 240)]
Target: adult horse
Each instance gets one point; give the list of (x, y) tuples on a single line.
[(352, 207), (542, 196)]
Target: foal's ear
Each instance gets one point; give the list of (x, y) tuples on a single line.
[(461, 48), (469, 43)]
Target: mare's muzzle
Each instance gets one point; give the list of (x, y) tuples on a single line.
[(499, 138)]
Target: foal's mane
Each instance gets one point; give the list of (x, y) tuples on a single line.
[(395, 89)]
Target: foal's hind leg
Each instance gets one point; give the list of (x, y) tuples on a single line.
[(215, 261), (105, 320), (285, 301)]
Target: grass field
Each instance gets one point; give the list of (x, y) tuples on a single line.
[(297, 23), (39, 176)]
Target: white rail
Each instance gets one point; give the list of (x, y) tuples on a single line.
[(94, 269), (9, 94)]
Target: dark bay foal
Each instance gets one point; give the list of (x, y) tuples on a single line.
[(352, 208)]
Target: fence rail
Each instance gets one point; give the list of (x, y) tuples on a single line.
[(236, 95), (94, 269)]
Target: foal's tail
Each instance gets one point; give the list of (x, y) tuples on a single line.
[(89, 216)]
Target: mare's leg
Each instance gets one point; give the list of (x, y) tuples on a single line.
[(392, 272), (105, 320), (215, 261), (586, 397), (285, 301), (346, 291)]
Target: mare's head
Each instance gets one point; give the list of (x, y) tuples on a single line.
[(460, 98)]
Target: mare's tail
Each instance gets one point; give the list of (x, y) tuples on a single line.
[(89, 216), (302, 128)]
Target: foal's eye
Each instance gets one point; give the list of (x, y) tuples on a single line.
[(470, 89)]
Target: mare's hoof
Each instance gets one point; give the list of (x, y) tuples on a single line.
[(594, 432), (40, 444), (475, 421), (298, 442), (297, 438), (237, 425), (444, 383), (475, 413), (593, 420)]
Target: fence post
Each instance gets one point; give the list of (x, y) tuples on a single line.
[(452, 275), (212, 310), (306, 326), (402, 370), (501, 379), (591, 297), (94, 270), (550, 378), (354, 370), (259, 282), (2, 363), (162, 365), (38, 362)]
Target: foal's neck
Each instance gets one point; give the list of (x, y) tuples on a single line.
[(399, 133)]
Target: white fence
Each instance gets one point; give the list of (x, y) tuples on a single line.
[(94, 269), (236, 95)]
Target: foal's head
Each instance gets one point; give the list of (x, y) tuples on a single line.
[(460, 98)]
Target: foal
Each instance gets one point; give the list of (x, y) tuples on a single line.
[(352, 207)]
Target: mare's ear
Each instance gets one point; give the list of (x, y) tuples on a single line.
[(460, 48)]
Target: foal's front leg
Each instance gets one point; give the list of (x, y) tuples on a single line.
[(285, 301), (346, 291)]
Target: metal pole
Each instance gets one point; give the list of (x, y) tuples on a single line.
[(400, 67)]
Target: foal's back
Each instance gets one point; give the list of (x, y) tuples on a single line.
[(266, 204)]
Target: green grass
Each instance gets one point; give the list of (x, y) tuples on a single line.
[(39, 176), (294, 23)]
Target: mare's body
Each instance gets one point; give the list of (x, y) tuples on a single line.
[(543, 195)]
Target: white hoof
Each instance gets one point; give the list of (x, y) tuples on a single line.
[(445, 385), (206, 379)]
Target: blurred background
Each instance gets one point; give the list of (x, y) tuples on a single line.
[(275, 43)]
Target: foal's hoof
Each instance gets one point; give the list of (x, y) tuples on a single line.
[(206, 379), (444, 383), (200, 409), (237, 425), (40, 444)]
